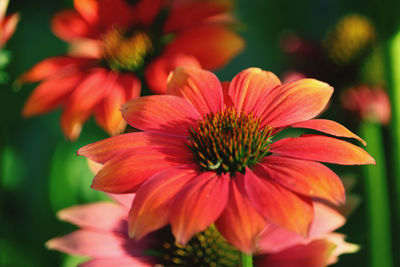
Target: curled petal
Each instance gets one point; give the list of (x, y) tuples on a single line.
[(198, 205), (305, 177), (322, 148), (159, 70), (329, 127), (295, 101), (108, 114), (199, 87), (149, 210), (277, 204), (240, 223), (249, 88), (160, 113)]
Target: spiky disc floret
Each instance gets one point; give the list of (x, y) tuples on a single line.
[(229, 141), (207, 248)]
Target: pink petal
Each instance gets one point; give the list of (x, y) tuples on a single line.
[(277, 204), (126, 174), (150, 209), (249, 88), (240, 223), (127, 261), (198, 205), (314, 254), (125, 200), (275, 239), (322, 148), (90, 243), (329, 127), (304, 177), (120, 145), (51, 93), (161, 114), (199, 87), (295, 101), (105, 216)]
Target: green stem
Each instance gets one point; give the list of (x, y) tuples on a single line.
[(392, 70), (246, 260), (377, 198)]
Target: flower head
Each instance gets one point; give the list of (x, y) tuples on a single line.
[(8, 23), (208, 152), (371, 104), (114, 44)]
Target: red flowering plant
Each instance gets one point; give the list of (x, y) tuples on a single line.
[(115, 45), (103, 236), (208, 153)]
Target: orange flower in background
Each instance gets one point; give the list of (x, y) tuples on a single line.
[(209, 153), (8, 24), (370, 104), (114, 44), (103, 236)]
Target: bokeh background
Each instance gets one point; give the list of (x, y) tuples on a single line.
[(41, 174)]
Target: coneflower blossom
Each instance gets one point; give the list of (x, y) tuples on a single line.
[(114, 44), (208, 153), (103, 236)]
